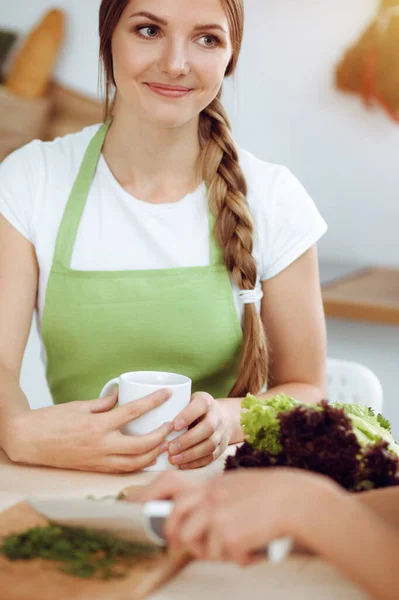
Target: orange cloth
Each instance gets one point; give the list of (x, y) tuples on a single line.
[(371, 67)]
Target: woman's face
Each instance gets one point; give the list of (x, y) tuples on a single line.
[(170, 57)]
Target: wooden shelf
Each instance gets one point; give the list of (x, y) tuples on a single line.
[(370, 295), (71, 112)]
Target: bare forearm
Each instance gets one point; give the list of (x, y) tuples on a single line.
[(300, 391), (383, 503), (12, 401), (357, 541)]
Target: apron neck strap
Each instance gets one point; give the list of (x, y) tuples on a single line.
[(77, 200)]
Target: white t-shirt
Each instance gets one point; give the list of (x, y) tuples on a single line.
[(118, 231)]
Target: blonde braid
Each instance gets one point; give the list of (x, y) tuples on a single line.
[(227, 188)]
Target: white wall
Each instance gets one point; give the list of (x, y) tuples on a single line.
[(285, 109), (291, 113)]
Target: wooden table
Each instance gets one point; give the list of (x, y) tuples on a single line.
[(297, 578)]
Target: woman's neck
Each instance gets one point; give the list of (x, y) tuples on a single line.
[(153, 164)]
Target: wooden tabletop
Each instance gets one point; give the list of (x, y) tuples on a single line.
[(297, 578), (371, 294)]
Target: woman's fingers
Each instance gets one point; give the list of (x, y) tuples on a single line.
[(200, 405), (138, 444), (167, 486), (209, 447), (100, 405), (197, 464), (193, 436), (132, 410), (184, 505), (193, 527), (207, 429), (119, 463), (214, 547), (129, 464)]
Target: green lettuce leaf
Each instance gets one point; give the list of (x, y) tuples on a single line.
[(260, 422), (384, 422), (367, 427)]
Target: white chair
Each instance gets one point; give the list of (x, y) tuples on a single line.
[(352, 383)]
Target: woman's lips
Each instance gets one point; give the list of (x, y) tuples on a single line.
[(169, 91)]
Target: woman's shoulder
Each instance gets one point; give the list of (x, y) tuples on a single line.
[(30, 176), (263, 176), (269, 184), (286, 218)]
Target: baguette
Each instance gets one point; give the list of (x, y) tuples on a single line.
[(31, 71)]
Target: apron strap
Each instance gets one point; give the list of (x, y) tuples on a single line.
[(77, 200)]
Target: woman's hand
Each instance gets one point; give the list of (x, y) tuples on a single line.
[(208, 437), (231, 517), (171, 485), (85, 435), (184, 492)]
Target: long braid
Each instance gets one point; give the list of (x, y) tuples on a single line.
[(227, 188)]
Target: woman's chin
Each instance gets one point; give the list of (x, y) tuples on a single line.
[(167, 120)]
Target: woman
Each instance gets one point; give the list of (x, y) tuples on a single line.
[(151, 242), (232, 517)]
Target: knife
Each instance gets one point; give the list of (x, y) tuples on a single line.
[(143, 523)]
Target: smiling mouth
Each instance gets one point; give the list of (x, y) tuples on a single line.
[(170, 91)]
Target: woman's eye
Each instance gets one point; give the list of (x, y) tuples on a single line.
[(149, 31), (209, 41)]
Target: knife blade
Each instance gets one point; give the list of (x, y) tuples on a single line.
[(128, 520)]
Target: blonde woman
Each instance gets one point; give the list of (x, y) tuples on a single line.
[(152, 242)]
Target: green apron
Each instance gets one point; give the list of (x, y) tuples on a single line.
[(99, 324)]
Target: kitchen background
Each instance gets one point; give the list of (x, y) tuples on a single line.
[(285, 108)]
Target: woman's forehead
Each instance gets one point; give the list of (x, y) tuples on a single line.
[(192, 12)]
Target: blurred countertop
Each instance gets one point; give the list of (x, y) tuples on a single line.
[(360, 292)]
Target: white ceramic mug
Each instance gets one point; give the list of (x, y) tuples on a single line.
[(138, 384)]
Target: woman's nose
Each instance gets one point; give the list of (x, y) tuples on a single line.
[(175, 60)]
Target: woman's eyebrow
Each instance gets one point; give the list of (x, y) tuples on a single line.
[(156, 19), (210, 26), (149, 16)]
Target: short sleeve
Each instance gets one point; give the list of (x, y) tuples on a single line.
[(295, 224), (20, 182)]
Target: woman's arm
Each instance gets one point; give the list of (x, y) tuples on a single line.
[(383, 503), (293, 317), (77, 435), (18, 288), (354, 533)]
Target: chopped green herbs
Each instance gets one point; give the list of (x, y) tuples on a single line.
[(79, 552)]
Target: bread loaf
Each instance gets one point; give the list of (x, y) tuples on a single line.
[(31, 71)]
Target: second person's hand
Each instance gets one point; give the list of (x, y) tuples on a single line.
[(240, 512), (84, 435)]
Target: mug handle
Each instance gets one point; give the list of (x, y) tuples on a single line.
[(107, 389)]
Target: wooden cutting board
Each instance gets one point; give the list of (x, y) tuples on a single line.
[(40, 580)]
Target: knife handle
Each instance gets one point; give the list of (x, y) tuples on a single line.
[(156, 512)]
